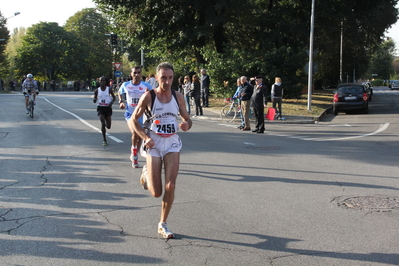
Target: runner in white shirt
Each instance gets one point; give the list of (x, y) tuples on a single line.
[(162, 143), (132, 91), (104, 97)]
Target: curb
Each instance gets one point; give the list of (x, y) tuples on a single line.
[(210, 114)]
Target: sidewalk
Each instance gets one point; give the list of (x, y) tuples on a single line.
[(213, 113)]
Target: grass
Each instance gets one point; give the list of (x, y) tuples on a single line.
[(321, 100)]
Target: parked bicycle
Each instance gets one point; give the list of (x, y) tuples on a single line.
[(232, 111)]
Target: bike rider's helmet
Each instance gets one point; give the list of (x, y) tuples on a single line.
[(29, 76)]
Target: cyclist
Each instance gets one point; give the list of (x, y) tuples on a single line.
[(29, 86)]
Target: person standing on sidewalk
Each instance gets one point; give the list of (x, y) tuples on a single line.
[(163, 105), (205, 83), (132, 92), (237, 95), (104, 97), (186, 92), (196, 94), (246, 94), (277, 97), (259, 102)]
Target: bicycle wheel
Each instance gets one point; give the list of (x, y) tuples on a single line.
[(229, 113), (31, 108)]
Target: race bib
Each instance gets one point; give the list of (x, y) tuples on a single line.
[(135, 100), (103, 103), (164, 127)]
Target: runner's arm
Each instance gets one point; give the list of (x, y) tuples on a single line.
[(113, 96), (187, 123), (95, 96), (144, 104)]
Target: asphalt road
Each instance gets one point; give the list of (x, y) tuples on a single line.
[(301, 194)]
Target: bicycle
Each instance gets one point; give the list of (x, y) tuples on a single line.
[(232, 110), (31, 105)]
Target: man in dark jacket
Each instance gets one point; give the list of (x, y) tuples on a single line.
[(205, 82), (246, 94), (259, 102)]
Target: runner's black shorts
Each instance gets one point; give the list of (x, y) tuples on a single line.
[(105, 111)]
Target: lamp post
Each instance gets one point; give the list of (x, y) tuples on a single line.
[(15, 14), (310, 73), (340, 51)]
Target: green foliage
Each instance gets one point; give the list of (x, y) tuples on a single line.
[(11, 51), (4, 34), (90, 28), (232, 38), (379, 82), (395, 65), (381, 60), (48, 50)]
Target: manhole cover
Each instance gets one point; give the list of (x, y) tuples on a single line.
[(369, 202)]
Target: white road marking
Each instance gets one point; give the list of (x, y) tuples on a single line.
[(381, 129), (84, 121)]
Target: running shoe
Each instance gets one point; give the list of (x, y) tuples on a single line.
[(105, 143), (135, 164), (134, 158), (143, 178), (164, 231), (27, 111)]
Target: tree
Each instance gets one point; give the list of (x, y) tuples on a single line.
[(395, 65), (14, 43), (4, 35), (91, 28), (47, 49), (381, 60), (362, 23), (268, 37)]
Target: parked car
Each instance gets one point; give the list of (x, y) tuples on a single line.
[(369, 89), (350, 97), (395, 85), (390, 83)]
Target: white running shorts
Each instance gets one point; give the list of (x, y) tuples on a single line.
[(164, 145)]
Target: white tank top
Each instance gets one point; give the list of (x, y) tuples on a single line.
[(164, 122), (104, 99)]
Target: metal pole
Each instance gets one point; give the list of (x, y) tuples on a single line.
[(142, 57), (340, 51), (310, 75), (354, 77)]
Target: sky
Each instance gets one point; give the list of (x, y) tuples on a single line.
[(32, 12)]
